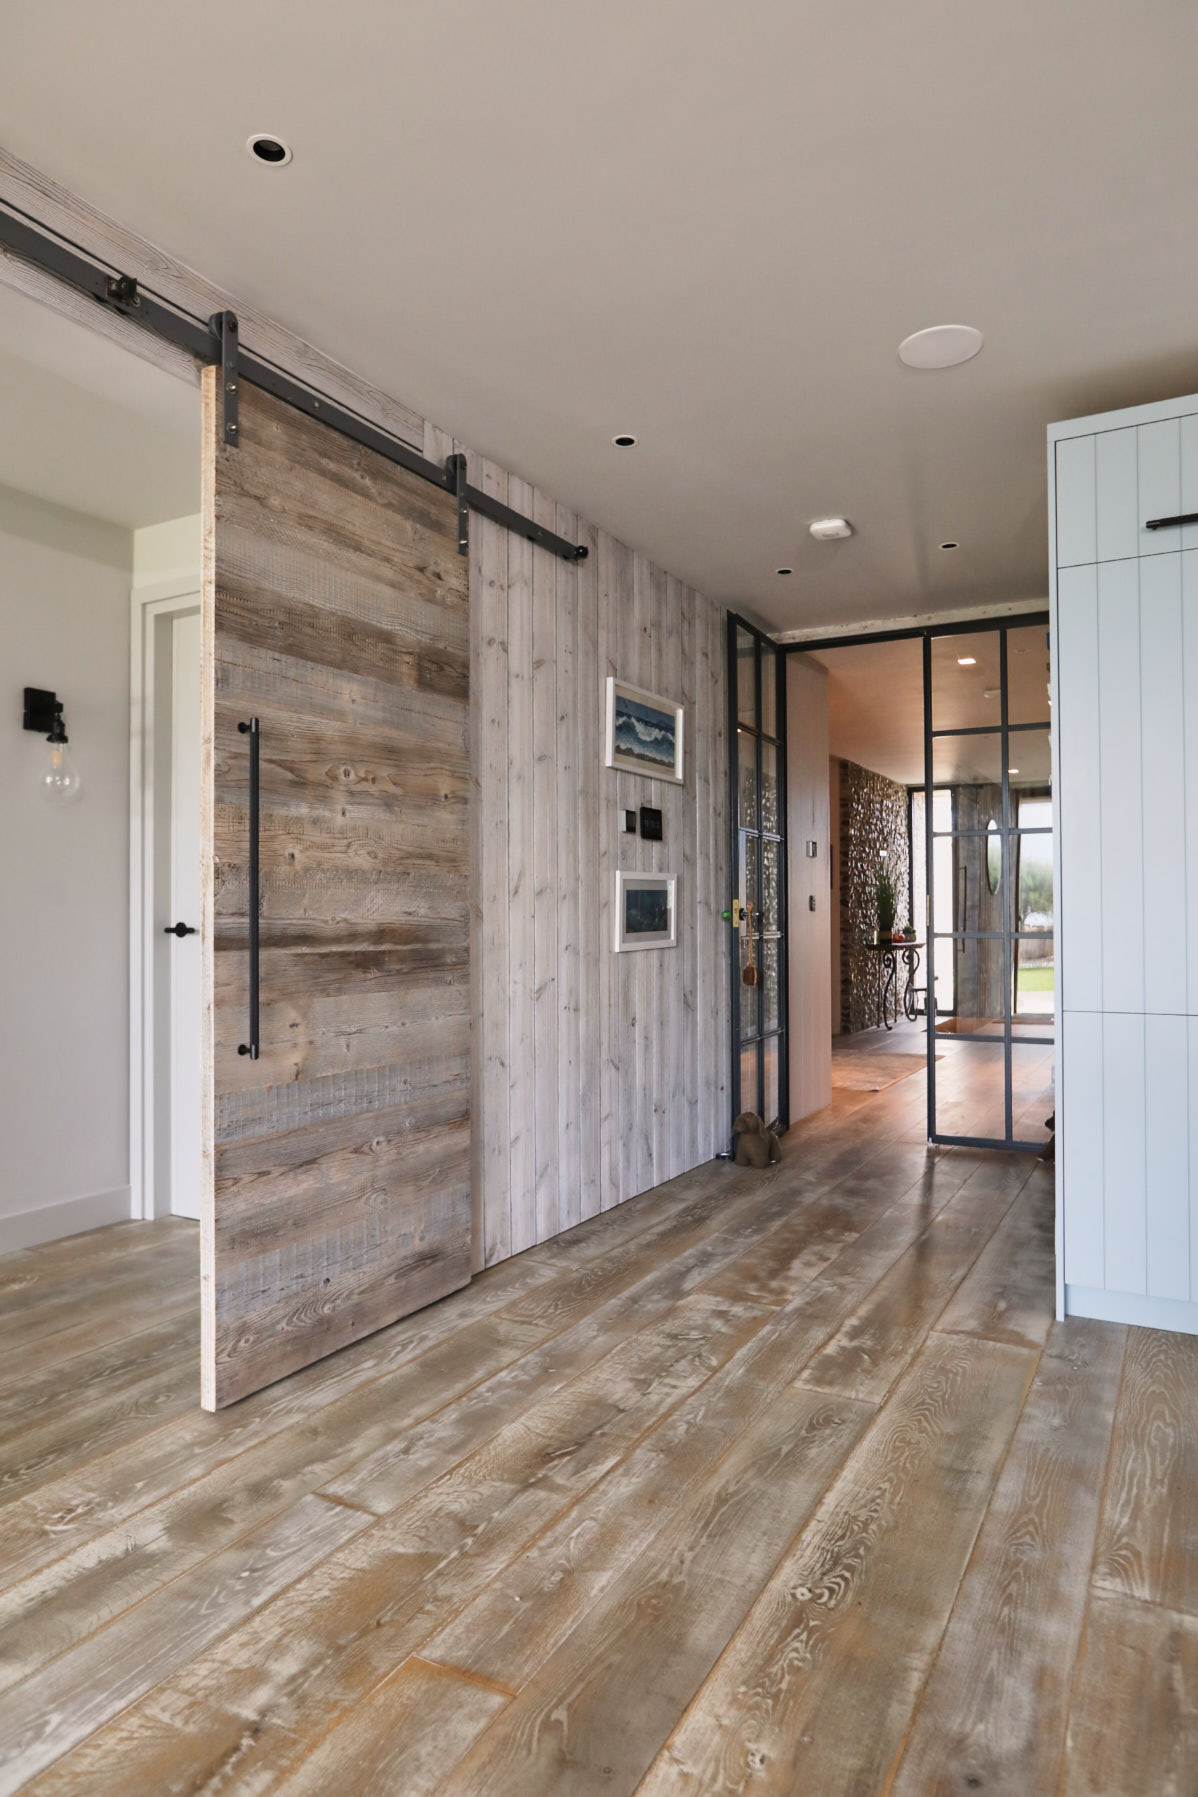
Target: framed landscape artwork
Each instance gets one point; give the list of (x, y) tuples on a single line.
[(644, 732), (645, 911)]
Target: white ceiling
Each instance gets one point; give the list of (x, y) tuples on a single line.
[(86, 425), (708, 224)]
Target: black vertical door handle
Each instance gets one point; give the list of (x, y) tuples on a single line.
[(251, 1047)]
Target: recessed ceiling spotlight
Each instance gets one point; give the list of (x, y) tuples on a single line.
[(948, 545), (967, 661), (1012, 770), (624, 440), (940, 346), (264, 146), (786, 570), (826, 530)]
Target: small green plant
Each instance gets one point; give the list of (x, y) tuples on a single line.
[(887, 903)]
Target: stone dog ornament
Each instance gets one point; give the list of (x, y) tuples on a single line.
[(756, 1146)]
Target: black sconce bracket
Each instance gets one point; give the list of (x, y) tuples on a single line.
[(43, 713)]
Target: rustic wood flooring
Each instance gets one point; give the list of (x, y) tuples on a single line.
[(762, 1483)]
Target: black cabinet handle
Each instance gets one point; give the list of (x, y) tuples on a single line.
[(1168, 523), (179, 929), (251, 1047)]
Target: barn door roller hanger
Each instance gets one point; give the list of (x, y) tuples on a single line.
[(218, 341)]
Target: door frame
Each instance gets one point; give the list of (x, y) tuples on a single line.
[(924, 634), (733, 624), (153, 609)]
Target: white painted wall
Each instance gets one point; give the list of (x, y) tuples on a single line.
[(1125, 727), (64, 899), (809, 945)]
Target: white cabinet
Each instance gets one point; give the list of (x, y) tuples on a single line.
[(1125, 726)]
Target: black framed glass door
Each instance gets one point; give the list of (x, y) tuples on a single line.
[(757, 765), (988, 874)]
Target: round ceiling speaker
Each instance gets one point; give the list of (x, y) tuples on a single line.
[(940, 346)]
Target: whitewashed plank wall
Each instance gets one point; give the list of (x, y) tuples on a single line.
[(599, 1075)]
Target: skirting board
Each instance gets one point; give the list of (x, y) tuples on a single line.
[(69, 1216), (1177, 1314)]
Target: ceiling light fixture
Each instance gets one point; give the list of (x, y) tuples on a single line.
[(1012, 770), (786, 570), (264, 146), (940, 346), (967, 661), (827, 530), (624, 441), (948, 545)]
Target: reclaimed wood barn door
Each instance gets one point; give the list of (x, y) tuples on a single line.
[(335, 613)]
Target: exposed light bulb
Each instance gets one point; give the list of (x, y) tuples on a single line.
[(60, 782)]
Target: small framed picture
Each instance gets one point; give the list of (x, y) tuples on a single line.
[(644, 732), (645, 911)]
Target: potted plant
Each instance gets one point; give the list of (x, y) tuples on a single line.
[(887, 906)]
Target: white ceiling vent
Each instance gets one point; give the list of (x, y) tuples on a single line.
[(826, 530)]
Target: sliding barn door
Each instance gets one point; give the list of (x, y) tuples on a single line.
[(334, 629)]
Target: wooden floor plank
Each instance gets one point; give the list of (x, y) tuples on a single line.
[(1011, 1292), (1132, 1728), (642, 1651), (865, 1357), (1148, 1540), (620, 1544), (41, 1719), (303, 1662), (993, 1715), (400, 1740), (816, 1690)]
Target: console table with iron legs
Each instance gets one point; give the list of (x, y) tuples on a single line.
[(889, 955)]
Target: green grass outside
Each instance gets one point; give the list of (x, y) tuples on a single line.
[(1036, 979)]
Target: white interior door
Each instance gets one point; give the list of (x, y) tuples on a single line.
[(184, 951)]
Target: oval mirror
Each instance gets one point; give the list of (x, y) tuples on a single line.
[(993, 855)]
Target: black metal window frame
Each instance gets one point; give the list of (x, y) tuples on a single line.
[(925, 634), (778, 740)]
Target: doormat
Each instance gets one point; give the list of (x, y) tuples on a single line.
[(874, 1072)]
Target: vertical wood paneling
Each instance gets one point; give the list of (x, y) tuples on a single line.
[(1162, 708), (1118, 527), (589, 715), (1124, 1152), (1076, 520), (1120, 761), (1167, 1148), (686, 1147), (1192, 1179), (1189, 807), (1189, 479), (1081, 1149), (610, 1152), (613, 1074), (1159, 458), (545, 875), (1078, 803), (517, 1105), (489, 620), (569, 876)]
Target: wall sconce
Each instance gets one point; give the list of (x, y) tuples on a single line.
[(59, 781)]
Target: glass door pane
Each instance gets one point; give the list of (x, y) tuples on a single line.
[(988, 760), (758, 795)]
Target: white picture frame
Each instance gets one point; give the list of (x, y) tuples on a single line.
[(638, 898), (644, 732)]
